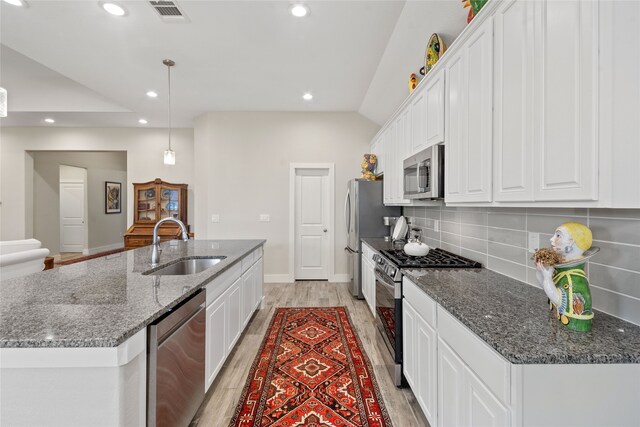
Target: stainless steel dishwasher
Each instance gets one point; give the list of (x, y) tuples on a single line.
[(176, 344)]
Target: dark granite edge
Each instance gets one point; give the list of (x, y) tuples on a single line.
[(527, 359), (116, 341)]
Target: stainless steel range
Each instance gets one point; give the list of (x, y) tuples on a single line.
[(389, 298)]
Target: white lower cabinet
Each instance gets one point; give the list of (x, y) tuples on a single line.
[(235, 297), (217, 328), (420, 359), (481, 407), (450, 387), (440, 373)]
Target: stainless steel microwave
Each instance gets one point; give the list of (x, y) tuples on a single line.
[(424, 174)]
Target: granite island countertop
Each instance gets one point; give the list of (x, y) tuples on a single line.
[(104, 301), (513, 318)]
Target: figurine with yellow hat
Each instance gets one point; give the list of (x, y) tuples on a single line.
[(564, 280)]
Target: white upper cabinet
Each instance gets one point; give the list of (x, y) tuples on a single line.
[(565, 145), (434, 113), (545, 94), (513, 98), (377, 148), (418, 119), (469, 81)]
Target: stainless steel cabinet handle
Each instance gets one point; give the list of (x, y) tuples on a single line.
[(347, 216)]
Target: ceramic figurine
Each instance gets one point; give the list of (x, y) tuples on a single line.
[(566, 283), (413, 82), (368, 165)]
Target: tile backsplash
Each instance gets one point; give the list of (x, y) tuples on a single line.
[(498, 238)]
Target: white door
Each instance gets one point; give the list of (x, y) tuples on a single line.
[(451, 402), (216, 338), (72, 209), (312, 218), (408, 343), (482, 408), (426, 375)]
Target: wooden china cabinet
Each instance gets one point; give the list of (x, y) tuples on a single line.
[(153, 201)]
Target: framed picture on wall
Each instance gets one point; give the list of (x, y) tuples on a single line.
[(112, 197)]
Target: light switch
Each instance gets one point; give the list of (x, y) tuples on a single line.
[(264, 218), (534, 242), (215, 218)]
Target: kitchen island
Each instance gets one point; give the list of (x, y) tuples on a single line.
[(73, 340)]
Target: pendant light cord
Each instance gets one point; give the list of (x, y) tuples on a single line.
[(169, 96)]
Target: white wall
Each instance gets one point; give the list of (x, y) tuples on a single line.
[(242, 170), (405, 51), (144, 149), (104, 230)]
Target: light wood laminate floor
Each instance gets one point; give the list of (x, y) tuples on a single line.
[(222, 398)]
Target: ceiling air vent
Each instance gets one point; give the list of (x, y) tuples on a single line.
[(169, 11)]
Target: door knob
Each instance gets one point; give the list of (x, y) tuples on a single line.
[(325, 230)]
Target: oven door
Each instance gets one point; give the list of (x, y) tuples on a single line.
[(389, 324)]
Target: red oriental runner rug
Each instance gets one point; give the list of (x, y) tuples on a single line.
[(311, 371)]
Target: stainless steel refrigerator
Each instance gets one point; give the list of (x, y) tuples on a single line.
[(363, 212)]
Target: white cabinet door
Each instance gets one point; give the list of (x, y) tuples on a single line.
[(469, 78), (514, 101), (387, 143), (377, 148), (566, 146), (451, 381), (455, 130), (418, 120), (259, 282), (482, 408), (247, 295), (434, 104), (234, 314), (216, 339), (409, 363), (426, 372), (403, 136)]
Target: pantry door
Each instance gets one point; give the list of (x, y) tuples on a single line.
[(313, 223)]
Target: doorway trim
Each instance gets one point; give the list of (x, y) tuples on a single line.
[(292, 216)]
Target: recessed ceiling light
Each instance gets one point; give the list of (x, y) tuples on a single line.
[(307, 96), (49, 120), (143, 121), (299, 10), (18, 3), (152, 94), (113, 8)]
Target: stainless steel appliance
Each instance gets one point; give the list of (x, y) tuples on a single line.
[(424, 174), (389, 298), (363, 212), (175, 364)]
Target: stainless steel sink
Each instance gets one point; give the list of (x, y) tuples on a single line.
[(187, 266)]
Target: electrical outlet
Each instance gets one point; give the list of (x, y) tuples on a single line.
[(436, 225), (534, 242), (264, 218), (215, 218)]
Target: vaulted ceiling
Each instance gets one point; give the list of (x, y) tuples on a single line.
[(73, 61)]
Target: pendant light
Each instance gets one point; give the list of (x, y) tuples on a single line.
[(3, 102), (169, 155)]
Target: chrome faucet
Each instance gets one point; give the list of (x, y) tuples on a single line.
[(155, 251)]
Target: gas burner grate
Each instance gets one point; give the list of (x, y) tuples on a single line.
[(436, 258)]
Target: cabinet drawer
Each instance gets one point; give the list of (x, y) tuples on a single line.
[(421, 302), (257, 254), (488, 365), (221, 283), (247, 262)]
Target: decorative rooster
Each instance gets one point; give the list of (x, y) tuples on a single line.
[(474, 7)]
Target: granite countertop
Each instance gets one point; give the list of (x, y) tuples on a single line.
[(513, 318), (378, 243), (104, 301)]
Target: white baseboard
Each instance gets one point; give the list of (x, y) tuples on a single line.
[(278, 278), (288, 278), (93, 251), (341, 278)]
